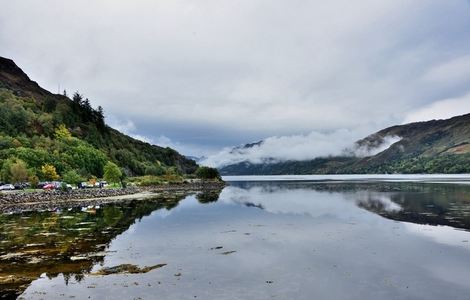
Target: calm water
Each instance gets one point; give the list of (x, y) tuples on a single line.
[(303, 239)]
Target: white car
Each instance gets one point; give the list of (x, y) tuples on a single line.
[(7, 187)]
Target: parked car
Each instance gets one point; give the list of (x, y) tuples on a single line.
[(56, 185), (42, 184), (49, 186), (100, 184), (85, 185), (7, 187), (22, 185), (103, 184)]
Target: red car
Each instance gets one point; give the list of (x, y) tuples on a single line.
[(49, 186)]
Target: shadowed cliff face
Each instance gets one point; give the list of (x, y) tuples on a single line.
[(68, 242)]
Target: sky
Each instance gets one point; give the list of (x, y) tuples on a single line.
[(201, 76)]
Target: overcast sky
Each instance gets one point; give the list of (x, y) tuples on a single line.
[(207, 74)]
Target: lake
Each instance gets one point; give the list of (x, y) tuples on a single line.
[(286, 237)]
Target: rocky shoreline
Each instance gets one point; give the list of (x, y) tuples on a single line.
[(13, 202)]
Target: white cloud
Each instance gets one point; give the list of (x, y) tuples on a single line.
[(128, 127), (252, 67), (131, 129), (441, 109), (299, 147), (367, 150), (454, 71), (282, 148)]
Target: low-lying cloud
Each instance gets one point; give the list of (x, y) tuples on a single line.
[(299, 147), (370, 150)]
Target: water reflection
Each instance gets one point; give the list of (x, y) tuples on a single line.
[(208, 196), (284, 240), (68, 242), (422, 203)]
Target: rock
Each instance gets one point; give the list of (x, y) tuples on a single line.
[(127, 269), (228, 252)]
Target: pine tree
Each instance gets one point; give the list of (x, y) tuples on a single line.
[(77, 98)]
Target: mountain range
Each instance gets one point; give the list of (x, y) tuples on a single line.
[(436, 146)]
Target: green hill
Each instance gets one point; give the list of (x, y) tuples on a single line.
[(437, 146), (35, 126)]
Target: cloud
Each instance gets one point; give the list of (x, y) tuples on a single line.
[(126, 126), (250, 68), (373, 149), (453, 71), (296, 147), (131, 129), (441, 109)]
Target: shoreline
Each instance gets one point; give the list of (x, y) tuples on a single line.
[(16, 202)]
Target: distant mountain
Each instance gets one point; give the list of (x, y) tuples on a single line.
[(30, 116), (437, 146)]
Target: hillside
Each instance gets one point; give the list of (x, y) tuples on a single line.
[(437, 146), (35, 125)]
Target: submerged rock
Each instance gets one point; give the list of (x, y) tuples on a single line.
[(228, 252), (126, 269)]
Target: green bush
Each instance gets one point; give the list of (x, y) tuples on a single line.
[(207, 173), (150, 180)]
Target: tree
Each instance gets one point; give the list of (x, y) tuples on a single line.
[(34, 181), (155, 170), (61, 132), (5, 171), (100, 119), (207, 173), (49, 172), (15, 143), (100, 112), (77, 98), (18, 171), (72, 177), (112, 173), (49, 105)]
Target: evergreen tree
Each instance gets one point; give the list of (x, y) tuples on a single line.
[(77, 98)]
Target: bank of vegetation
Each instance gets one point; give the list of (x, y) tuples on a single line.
[(49, 137)]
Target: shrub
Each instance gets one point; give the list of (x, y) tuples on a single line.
[(150, 180), (34, 181), (72, 177), (207, 173), (49, 172)]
